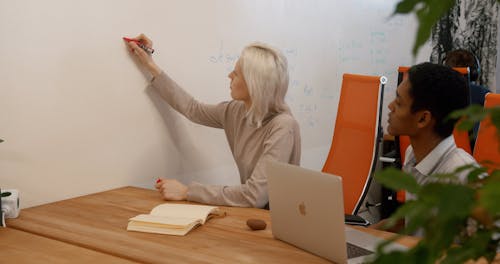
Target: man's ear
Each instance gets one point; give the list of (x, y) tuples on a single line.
[(424, 118)]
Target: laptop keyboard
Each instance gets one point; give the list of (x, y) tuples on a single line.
[(354, 251)]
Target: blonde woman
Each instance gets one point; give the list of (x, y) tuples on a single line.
[(257, 122)]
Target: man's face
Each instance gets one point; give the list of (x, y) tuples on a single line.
[(401, 120)]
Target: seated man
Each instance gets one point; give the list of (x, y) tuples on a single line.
[(464, 58), (423, 102)]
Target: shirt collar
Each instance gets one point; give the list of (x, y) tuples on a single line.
[(427, 164)]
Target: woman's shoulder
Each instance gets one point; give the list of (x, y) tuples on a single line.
[(284, 120), (233, 110), (235, 106)]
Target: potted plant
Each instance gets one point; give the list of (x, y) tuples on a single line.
[(460, 221)]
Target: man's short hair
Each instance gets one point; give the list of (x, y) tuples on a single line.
[(464, 58), (440, 90)]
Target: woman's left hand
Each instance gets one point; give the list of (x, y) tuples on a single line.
[(172, 190)]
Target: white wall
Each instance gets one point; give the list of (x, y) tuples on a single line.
[(78, 117)]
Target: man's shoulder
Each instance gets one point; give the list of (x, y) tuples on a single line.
[(480, 88), (455, 159), (477, 93), (460, 156)]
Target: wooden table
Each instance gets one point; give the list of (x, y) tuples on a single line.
[(21, 247), (98, 222)]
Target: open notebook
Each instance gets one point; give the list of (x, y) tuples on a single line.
[(173, 219)]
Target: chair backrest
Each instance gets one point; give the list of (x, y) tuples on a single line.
[(461, 137), (354, 145), (487, 148)]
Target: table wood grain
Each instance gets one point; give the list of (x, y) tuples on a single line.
[(99, 222), (21, 247)]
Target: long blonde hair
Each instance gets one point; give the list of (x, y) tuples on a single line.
[(265, 70)]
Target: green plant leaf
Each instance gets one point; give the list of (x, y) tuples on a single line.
[(417, 255), (489, 194), (450, 206), (388, 241), (465, 125), (393, 257), (473, 112), (495, 118), (465, 167), (450, 199), (397, 180), (476, 174), (473, 248), (442, 232), (494, 175), (446, 177), (415, 214), (405, 6), (428, 13)]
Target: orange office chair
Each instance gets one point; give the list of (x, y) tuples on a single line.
[(487, 148), (356, 134)]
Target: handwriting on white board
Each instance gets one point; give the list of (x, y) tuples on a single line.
[(308, 108), (228, 59), (304, 88), (378, 48), (299, 88), (350, 51)]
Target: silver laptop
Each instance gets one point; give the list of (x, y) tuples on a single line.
[(307, 210)]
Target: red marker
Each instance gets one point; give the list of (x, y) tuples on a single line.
[(142, 46), (158, 181)]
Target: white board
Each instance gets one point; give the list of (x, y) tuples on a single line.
[(77, 115)]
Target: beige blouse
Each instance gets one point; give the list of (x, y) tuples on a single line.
[(277, 139)]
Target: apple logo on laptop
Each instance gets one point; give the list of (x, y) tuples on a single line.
[(302, 208)]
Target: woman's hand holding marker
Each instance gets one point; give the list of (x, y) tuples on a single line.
[(142, 47)]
